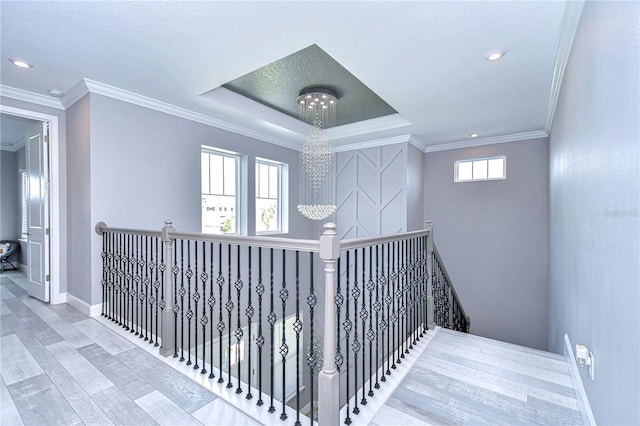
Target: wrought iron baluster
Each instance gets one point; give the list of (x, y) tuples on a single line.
[(284, 348), (153, 301), (411, 297), (297, 327), (370, 333), (387, 301), (195, 297), (347, 325), (313, 357), (238, 333), (363, 316), (376, 307), (403, 308), (188, 274), (220, 282), (229, 307), (356, 341), (182, 292), (211, 301), (272, 321), (146, 282), (249, 312), (136, 280), (162, 304), (260, 339), (338, 301), (204, 320), (397, 298), (130, 292)]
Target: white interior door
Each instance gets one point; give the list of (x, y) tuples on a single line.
[(37, 153)]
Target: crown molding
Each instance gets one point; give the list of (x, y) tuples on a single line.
[(568, 29), (34, 98), (515, 137), (146, 102), (372, 125), (418, 143), (372, 144)]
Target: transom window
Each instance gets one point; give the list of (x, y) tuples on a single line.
[(490, 168), (220, 189), (268, 196)]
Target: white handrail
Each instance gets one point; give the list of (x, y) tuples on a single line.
[(372, 241), (267, 242)]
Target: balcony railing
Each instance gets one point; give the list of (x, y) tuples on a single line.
[(296, 325)]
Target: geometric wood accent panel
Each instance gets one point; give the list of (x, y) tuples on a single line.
[(371, 191)]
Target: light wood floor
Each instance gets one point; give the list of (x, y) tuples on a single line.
[(60, 367), (465, 379)]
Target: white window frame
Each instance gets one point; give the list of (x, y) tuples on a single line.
[(485, 159), (281, 200), (238, 187)]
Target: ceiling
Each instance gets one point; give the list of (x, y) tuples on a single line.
[(13, 130), (425, 60)]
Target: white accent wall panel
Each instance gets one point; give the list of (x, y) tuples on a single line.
[(371, 191)]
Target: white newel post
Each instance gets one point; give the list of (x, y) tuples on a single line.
[(167, 327), (329, 378), (430, 308)]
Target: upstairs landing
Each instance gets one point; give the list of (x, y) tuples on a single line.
[(464, 379)]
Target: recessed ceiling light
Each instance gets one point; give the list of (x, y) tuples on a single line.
[(20, 63), (56, 93), (473, 135), (494, 55)]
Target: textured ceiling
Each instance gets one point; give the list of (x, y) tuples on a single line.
[(278, 84), (424, 58)]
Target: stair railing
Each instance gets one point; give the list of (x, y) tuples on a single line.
[(246, 310), (448, 310)]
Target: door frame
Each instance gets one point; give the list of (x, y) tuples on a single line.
[(55, 195)]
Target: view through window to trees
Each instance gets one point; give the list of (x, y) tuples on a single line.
[(220, 172)]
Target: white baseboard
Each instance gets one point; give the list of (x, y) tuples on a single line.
[(82, 306), (587, 414), (60, 298)]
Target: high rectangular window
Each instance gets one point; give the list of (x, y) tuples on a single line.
[(269, 205), (491, 168), (220, 191)]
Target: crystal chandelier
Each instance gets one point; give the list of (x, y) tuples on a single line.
[(317, 106)]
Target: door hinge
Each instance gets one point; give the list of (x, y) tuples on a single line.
[(47, 278), (46, 138), (46, 231)]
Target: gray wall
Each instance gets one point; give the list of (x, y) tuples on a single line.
[(135, 167), (10, 198), (79, 198), (594, 208), (492, 237)]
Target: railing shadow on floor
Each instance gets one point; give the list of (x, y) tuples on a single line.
[(299, 326)]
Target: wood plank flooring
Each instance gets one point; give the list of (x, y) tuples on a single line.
[(60, 367), (464, 379)]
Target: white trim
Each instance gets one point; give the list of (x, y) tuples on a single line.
[(585, 408), (568, 29), (55, 224), (418, 143), (31, 97), (146, 102), (515, 137), (90, 310), (364, 127), (372, 144)]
